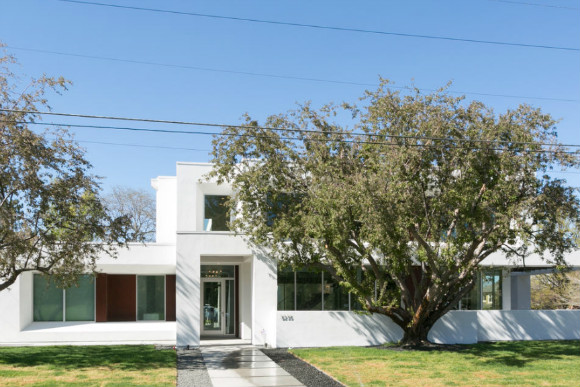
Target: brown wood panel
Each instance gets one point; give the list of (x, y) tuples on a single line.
[(121, 297), (237, 300), (101, 298), (170, 298)]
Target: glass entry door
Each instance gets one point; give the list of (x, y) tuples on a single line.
[(212, 307), (217, 306)]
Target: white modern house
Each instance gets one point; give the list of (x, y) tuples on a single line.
[(199, 280)]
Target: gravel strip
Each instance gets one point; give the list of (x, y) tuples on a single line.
[(305, 373), (191, 370)]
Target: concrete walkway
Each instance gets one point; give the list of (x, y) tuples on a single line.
[(231, 366)]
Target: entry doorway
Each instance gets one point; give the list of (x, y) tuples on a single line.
[(218, 301)]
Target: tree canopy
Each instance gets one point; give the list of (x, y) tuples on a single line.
[(410, 197), (52, 219), (138, 206)]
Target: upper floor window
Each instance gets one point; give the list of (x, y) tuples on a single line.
[(216, 213)]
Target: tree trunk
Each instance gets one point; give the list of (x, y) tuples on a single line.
[(416, 336)]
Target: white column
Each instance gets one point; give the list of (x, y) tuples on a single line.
[(264, 300), (187, 286)]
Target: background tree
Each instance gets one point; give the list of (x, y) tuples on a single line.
[(412, 198), (138, 206), (51, 216), (556, 291)]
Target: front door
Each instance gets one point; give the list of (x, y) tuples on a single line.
[(217, 306)]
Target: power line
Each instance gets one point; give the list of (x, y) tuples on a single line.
[(324, 27), (215, 125), (142, 146), (344, 141), (278, 76)]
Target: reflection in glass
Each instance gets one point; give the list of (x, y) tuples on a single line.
[(308, 290), (217, 271), (216, 213), (286, 289), (212, 294), (230, 310), (150, 297), (80, 301), (47, 300), (491, 289), (335, 297)]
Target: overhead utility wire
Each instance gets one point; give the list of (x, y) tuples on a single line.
[(278, 76), (324, 27), (392, 144), (215, 125)]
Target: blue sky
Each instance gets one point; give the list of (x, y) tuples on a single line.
[(229, 48)]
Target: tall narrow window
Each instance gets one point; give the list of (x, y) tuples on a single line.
[(80, 300), (47, 300), (286, 289), (150, 297), (491, 289), (216, 213)]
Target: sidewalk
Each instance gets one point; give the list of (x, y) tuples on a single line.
[(230, 366)]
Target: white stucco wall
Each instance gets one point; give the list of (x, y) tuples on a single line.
[(339, 328), (17, 327), (165, 208), (497, 325), (321, 329)]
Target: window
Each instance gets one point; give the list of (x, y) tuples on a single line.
[(491, 290), (80, 301), (216, 213), (76, 303), (312, 290), (150, 297), (486, 293), (308, 290), (335, 297), (286, 290)]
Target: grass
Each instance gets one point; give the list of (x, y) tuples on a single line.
[(103, 366), (531, 363)]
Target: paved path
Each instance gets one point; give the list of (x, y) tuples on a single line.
[(231, 366)]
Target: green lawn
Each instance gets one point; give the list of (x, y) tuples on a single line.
[(524, 363), (104, 366)]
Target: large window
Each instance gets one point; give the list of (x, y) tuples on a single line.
[(76, 303), (486, 294), (150, 297), (216, 213), (312, 290)]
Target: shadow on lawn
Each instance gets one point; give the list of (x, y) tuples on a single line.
[(74, 357), (520, 353)]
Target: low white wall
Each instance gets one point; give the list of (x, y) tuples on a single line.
[(68, 333), (455, 327), (323, 329), (497, 325)]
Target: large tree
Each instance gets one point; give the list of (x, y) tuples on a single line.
[(410, 199), (138, 206), (51, 216)]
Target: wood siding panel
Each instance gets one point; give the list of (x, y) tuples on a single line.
[(101, 298), (170, 298), (121, 298)]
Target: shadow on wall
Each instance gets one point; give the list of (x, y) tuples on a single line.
[(188, 291), (455, 327), (529, 325)]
